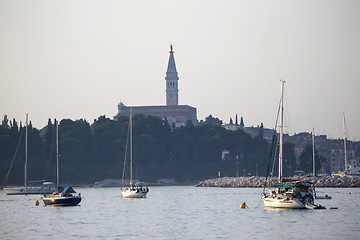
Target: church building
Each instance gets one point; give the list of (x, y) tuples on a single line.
[(172, 111)]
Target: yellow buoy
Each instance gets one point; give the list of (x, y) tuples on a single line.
[(243, 205), (36, 203)]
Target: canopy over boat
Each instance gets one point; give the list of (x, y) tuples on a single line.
[(292, 185), (286, 186), (64, 190)]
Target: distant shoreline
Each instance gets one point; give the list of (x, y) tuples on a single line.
[(257, 182)]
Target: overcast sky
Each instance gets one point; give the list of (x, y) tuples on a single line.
[(78, 59)]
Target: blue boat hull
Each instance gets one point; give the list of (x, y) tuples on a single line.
[(61, 201)]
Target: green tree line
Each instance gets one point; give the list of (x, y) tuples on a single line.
[(89, 153)]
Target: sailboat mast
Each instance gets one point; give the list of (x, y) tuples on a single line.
[(26, 151), (344, 128), (131, 156), (313, 148), (281, 129), (57, 154)]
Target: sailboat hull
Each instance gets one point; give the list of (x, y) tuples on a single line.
[(133, 194), (28, 190), (62, 201), (283, 203)]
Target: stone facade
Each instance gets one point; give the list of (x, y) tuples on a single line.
[(179, 115)]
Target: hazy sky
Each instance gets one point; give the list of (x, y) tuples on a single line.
[(78, 59)]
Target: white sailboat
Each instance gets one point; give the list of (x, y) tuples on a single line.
[(136, 190), (293, 194), (62, 196), (47, 187), (345, 172), (348, 170)]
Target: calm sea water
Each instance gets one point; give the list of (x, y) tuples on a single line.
[(181, 212)]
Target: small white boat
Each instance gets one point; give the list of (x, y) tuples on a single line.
[(133, 190), (323, 197), (136, 191), (320, 197)]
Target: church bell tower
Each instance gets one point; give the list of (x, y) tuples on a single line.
[(172, 78)]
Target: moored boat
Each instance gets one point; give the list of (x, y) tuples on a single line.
[(349, 169), (47, 187), (133, 190), (28, 190), (296, 195), (63, 196), (293, 194), (323, 197)]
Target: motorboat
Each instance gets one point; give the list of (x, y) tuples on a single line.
[(323, 197)]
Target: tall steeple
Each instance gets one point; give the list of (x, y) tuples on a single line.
[(172, 81)]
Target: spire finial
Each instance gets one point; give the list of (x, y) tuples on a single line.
[(171, 47)]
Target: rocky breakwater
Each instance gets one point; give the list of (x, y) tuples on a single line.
[(237, 182)]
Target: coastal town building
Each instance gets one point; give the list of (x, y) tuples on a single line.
[(267, 134), (331, 151), (234, 126), (175, 114)]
